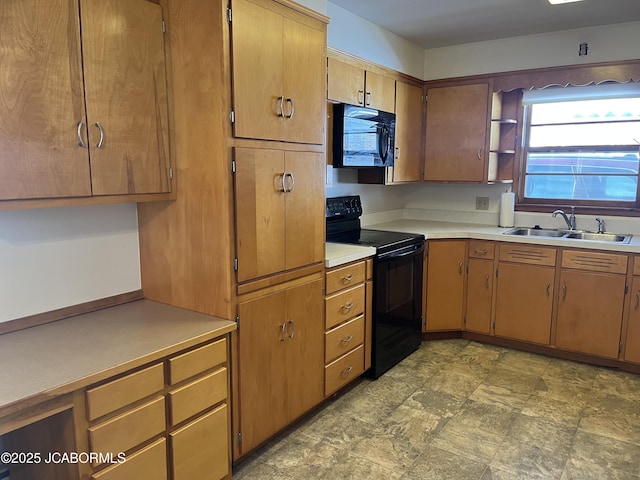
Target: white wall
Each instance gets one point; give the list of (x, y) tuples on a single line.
[(606, 44), (353, 34), (54, 258)]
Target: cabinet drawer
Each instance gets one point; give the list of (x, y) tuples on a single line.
[(344, 277), (119, 393), (596, 262), (343, 338), (147, 463), (528, 254), (481, 249), (186, 401), (201, 448), (197, 361), (343, 370), (636, 265), (125, 431), (344, 305)]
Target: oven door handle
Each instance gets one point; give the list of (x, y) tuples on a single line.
[(403, 252)]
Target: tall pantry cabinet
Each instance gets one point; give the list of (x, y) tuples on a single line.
[(244, 239)]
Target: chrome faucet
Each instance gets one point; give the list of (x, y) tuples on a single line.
[(600, 224), (571, 220)]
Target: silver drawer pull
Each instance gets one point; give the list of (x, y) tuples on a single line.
[(346, 371), (347, 339), (348, 278), (348, 307), (481, 252)]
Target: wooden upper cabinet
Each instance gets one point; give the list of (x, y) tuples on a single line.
[(278, 59), (456, 128), (41, 100), (353, 85), (407, 163), (48, 141), (126, 96), (279, 204)]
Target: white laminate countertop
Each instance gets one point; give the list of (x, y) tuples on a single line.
[(443, 230), (56, 358), (341, 253)]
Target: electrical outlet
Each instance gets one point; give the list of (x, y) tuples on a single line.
[(482, 203)]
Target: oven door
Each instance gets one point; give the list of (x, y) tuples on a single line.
[(397, 311)]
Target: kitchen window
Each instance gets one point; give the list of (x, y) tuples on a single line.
[(581, 146)]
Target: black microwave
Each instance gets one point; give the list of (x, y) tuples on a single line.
[(362, 137)]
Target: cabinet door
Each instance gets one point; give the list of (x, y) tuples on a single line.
[(345, 82), (260, 212), (304, 82), (201, 448), (407, 164), (479, 292), (305, 205), (380, 92), (305, 348), (126, 95), (590, 312), (280, 347), (263, 368), (41, 101), (524, 300), (445, 285), (632, 341), (258, 65), (455, 133)]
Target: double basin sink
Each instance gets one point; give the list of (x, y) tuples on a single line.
[(569, 234)]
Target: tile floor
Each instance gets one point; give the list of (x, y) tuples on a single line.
[(461, 410)]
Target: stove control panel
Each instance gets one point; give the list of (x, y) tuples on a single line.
[(344, 207)]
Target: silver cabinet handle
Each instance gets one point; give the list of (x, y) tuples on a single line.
[(480, 153), (346, 371), (368, 98), (548, 288), (292, 330), (281, 103), (486, 281), (360, 94), (80, 139), (284, 182), (564, 292), (460, 265), (347, 339), (637, 301), (101, 141), (293, 182), (480, 252), (290, 102), (348, 306), (283, 332), (348, 278), (397, 153)]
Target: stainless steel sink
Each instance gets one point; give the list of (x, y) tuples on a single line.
[(536, 232), (569, 234), (599, 237)]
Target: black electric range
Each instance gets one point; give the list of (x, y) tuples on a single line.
[(397, 281)]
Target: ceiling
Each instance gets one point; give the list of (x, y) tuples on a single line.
[(439, 23)]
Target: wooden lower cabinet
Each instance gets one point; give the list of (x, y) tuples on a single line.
[(524, 302), (632, 341), (281, 359), (590, 307), (479, 295), (199, 449), (445, 284)]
